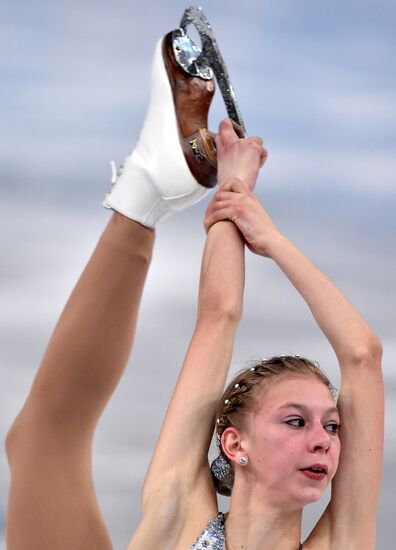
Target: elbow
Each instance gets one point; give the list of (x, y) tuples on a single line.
[(225, 313), (368, 354), (231, 314)]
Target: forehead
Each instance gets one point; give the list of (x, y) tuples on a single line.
[(304, 390)]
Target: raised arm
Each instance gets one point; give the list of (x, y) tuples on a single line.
[(178, 492), (349, 521)]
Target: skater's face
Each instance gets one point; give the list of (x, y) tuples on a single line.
[(291, 441)]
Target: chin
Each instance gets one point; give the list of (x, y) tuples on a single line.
[(309, 497), (297, 501)]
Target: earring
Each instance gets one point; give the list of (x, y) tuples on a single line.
[(243, 460)]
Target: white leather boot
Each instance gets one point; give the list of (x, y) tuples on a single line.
[(174, 162)]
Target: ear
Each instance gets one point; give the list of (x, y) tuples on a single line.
[(233, 444)]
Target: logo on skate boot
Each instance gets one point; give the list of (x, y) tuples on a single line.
[(196, 150)]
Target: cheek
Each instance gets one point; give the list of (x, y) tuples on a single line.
[(276, 447)]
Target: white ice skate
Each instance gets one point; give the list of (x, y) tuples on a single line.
[(174, 162)]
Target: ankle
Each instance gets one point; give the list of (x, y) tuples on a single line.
[(130, 236)]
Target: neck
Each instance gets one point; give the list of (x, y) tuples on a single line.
[(255, 524)]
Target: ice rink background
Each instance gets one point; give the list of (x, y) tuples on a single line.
[(315, 79)]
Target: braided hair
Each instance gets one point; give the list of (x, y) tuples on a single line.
[(239, 399)]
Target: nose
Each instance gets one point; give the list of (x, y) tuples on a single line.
[(320, 440)]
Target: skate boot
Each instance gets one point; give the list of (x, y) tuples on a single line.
[(174, 161)]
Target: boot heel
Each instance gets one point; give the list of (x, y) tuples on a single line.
[(200, 153), (192, 97)]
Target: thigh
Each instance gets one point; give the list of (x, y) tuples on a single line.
[(52, 502)]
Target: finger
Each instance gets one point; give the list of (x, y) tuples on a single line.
[(261, 151), (218, 205), (227, 197), (257, 147), (250, 145), (224, 195), (233, 205), (219, 144), (227, 132), (255, 139), (210, 219), (234, 184), (263, 156), (225, 214), (255, 144)]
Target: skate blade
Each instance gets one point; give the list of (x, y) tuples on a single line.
[(206, 62)]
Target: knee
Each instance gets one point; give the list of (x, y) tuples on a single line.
[(36, 438), (20, 437), (12, 438)]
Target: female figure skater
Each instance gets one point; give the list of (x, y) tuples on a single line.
[(277, 424)]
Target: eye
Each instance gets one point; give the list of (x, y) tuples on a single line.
[(332, 427), (297, 422)]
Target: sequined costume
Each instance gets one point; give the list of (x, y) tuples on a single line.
[(213, 536)]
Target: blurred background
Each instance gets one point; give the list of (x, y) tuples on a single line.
[(315, 79)]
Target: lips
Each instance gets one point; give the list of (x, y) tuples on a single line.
[(315, 471)]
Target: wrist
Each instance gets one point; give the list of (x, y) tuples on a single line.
[(222, 226), (277, 245)]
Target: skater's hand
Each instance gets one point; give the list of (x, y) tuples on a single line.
[(234, 201), (236, 157)]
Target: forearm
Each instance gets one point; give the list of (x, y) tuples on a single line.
[(222, 274), (351, 338), (205, 367)]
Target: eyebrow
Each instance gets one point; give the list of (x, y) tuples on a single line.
[(304, 408)]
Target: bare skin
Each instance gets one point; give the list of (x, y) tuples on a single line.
[(172, 486), (52, 436), (52, 500), (179, 491), (294, 428)]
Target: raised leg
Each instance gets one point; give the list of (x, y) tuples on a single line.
[(52, 503)]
